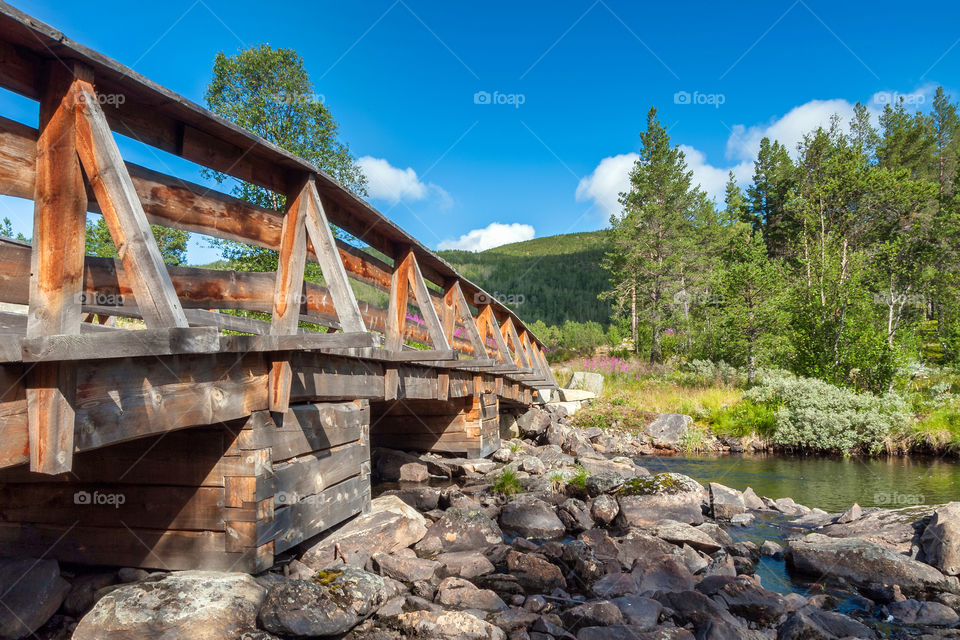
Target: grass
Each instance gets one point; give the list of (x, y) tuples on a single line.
[(939, 430), (507, 483), (579, 479)]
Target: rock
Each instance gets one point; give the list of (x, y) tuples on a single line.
[(508, 426), (31, 591), (459, 530), (588, 381), (331, 606), (851, 514), (680, 533), (390, 525), (201, 605), (533, 464), (895, 529), (598, 466), (391, 465), (576, 395), (420, 498), (742, 519), (694, 560), (629, 632), (604, 482), (600, 613), (646, 510), (692, 607), (668, 429), (575, 515), (810, 623), (461, 594), (442, 625), (752, 501), (405, 569), (640, 545), (923, 613), (534, 422), (771, 549), (725, 502), (640, 612), (533, 573), (132, 574), (464, 564), (722, 565), (530, 517), (556, 435), (941, 539), (603, 509), (717, 533), (752, 602), (865, 565), (82, 590), (657, 573)]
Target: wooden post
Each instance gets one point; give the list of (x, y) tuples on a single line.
[(425, 302), (488, 320), (56, 280), (469, 325), (291, 260), (123, 213)]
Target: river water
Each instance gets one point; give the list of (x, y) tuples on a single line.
[(832, 484)]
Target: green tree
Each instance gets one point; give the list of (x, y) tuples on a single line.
[(172, 242), (652, 238), (269, 92), (768, 196)]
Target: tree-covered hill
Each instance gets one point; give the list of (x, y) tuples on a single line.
[(554, 279)]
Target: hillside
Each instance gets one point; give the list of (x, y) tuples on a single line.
[(554, 279)]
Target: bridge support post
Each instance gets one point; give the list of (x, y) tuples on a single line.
[(467, 426)]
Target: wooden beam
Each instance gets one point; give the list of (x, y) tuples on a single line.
[(425, 302), (124, 214), (325, 249), (56, 281), (488, 320), (121, 344), (288, 291), (399, 295), (468, 322)]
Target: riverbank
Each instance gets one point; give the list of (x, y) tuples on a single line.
[(779, 412), (562, 534)]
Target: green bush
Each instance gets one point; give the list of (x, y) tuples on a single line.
[(507, 483), (745, 418), (815, 415)]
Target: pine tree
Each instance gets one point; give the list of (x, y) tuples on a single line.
[(772, 180)]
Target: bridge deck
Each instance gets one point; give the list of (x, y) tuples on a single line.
[(187, 434)]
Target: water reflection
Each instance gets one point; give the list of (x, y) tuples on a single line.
[(832, 484)]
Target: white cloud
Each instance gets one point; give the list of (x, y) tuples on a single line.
[(607, 182), (711, 179), (493, 235), (389, 183)]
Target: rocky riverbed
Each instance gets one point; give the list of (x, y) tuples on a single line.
[(590, 546)]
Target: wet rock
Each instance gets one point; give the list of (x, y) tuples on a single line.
[(459, 530), (31, 591), (638, 611), (810, 623), (331, 606), (605, 482), (604, 509), (725, 502), (941, 539), (441, 625), (534, 422), (752, 602), (850, 515), (575, 515), (390, 525), (771, 549), (404, 568), (923, 613), (461, 594), (752, 501), (533, 573), (601, 613), (680, 533), (205, 605), (464, 564), (668, 429), (865, 565), (530, 517)]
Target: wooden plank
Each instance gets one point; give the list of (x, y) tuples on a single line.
[(312, 473), (300, 342), (397, 311), (422, 294), (306, 428), (488, 320), (121, 344), (468, 322), (288, 291), (59, 224), (298, 522), (325, 249), (124, 214)]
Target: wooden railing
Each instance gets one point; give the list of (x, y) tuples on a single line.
[(73, 165)]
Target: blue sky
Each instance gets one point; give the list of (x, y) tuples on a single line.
[(515, 119)]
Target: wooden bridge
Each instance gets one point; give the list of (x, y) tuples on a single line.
[(195, 438)]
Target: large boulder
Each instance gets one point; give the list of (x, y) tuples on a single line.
[(533, 573), (441, 625), (923, 613), (200, 605), (681, 533), (941, 539), (895, 529), (390, 465), (865, 565), (645, 501), (810, 623), (405, 568), (390, 525), (667, 429), (725, 502), (458, 593), (330, 604), (587, 381), (31, 591), (534, 422), (752, 602), (459, 530), (530, 517)]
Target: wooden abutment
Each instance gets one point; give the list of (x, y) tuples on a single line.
[(190, 437)]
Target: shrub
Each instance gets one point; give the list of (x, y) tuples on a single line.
[(745, 418), (507, 483), (812, 414)]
